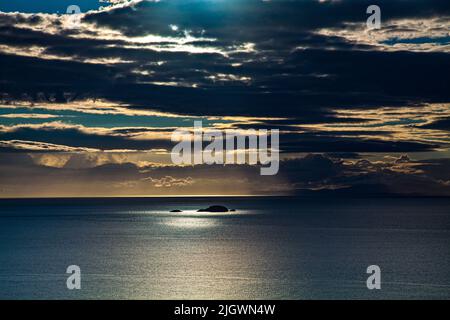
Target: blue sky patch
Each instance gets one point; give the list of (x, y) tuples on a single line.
[(420, 40)]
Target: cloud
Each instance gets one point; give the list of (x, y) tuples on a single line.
[(45, 6), (31, 146), (169, 182), (402, 176), (289, 63)]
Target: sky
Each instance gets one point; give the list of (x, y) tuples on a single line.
[(89, 110)]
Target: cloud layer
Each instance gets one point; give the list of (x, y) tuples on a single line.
[(131, 73)]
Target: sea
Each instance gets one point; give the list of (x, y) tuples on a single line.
[(269, 248)]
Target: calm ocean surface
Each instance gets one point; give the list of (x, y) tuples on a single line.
[(270, 248)]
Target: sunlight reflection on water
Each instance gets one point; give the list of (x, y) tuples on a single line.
[(191, 219), (184, 222)]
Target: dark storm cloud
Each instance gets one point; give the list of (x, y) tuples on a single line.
[(439, 169), (307, 81), (290, 142), (358, 79), (49, 6), (32, 75), (443, 124)]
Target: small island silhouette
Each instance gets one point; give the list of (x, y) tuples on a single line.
[(215, 208)]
